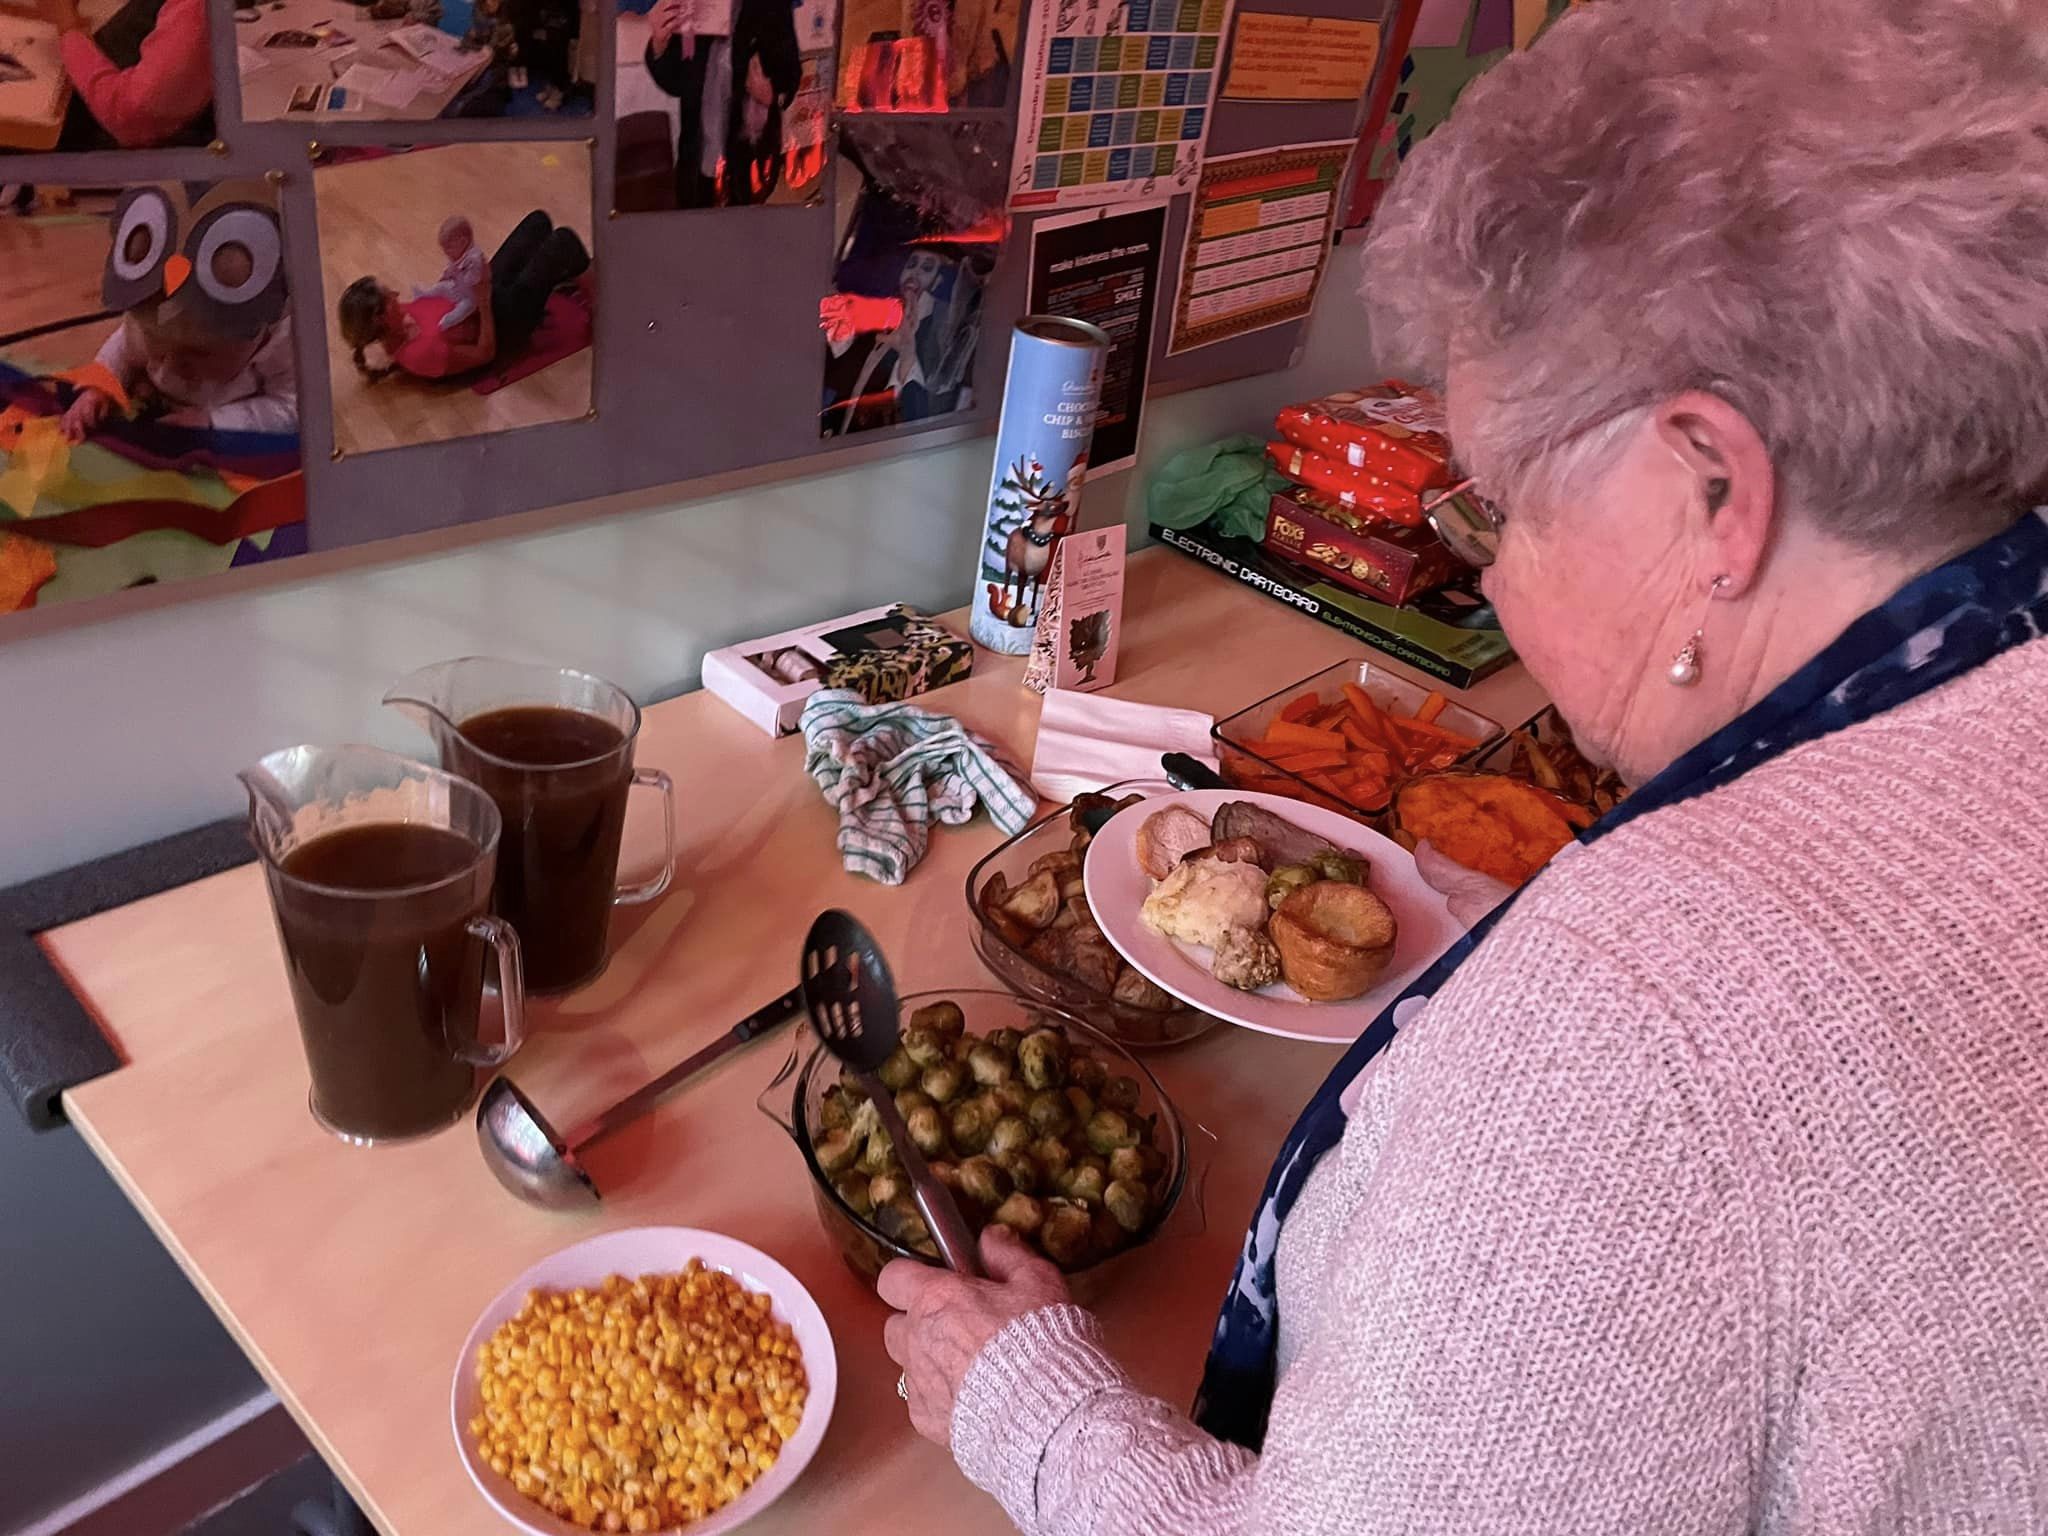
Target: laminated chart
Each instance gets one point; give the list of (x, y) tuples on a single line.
[(1116, 101), (1258, 241)]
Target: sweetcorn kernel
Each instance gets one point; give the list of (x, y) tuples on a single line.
[(641, 1405)]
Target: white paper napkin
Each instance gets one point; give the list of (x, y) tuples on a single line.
[(1088, 741)]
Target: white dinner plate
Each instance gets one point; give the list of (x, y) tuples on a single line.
[(638, 1251), (1118, 885)]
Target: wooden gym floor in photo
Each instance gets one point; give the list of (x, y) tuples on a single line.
[(378, 218), (53, 267)]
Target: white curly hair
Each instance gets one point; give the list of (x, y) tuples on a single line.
[(1831, 213)]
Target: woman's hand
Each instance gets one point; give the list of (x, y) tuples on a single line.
[(948, 1319), (664, 25), (759, 86)]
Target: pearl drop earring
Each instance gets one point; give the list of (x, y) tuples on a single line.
[(1685, 666)]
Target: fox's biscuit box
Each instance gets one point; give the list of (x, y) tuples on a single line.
[(1387, 560)]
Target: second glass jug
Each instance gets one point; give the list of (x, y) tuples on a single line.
[(554, 749)]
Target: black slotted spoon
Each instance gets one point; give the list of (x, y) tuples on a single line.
[(851, 999)]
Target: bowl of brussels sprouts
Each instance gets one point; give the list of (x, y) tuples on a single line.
[(1034, 1119)]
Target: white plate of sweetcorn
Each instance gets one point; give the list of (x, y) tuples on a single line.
[(730, 1381)]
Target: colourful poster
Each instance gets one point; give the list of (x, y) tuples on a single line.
[(1258, 241), (1300, 58), (1116, 101)]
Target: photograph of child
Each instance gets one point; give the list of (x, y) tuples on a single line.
[(412, 60), (104, 74), (927, 55), (461, 290), (922, 222), (149, 418), (721, 103)]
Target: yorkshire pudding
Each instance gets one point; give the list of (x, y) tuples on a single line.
[(1335, 940)]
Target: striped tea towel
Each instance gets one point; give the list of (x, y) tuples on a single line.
[(891, 769)]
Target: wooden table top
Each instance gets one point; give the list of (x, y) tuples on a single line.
[(351, 1276)]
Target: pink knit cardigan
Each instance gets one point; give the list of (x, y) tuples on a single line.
[(1710, 1196)]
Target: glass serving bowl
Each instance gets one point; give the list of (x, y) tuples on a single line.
[(865, 1249), (1237, 737), (1126, 1023)]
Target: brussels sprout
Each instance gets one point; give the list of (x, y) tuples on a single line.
[(835, 1110), (900, 1222), (1049, 1112), (926, 1047), (1022, 1169), (970, 1124), (836, 1150), (850, 1080), (1021, 1213), (879, 1153), (1053, 1155), (1067, 1233), (1127, 1164), (983, 1181), (1085, 1181), (945, 1172), (1010, 1134), (1119, 1093), (943, 1018), (1107, 1130), (1081, 1102), (884, 1187), (911, 1100), (1005, 1040), (899, 1071), (943, 1081), (1088, 1073), (866, 1119), (927, 1129), (1127, 1203), (852, 1187), (1042, 1058), (1288, 879), (1011, 1098), (1106, 1234), (1332, 865), (990, 1065)]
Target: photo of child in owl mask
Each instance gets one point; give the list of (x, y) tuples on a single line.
[(148, 396)]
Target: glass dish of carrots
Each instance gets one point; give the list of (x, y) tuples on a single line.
[(1347, 738)]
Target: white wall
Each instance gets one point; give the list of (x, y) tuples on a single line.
[(115, 732)]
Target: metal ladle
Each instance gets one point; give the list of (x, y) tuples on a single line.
[(851, 999), (541, 1166)]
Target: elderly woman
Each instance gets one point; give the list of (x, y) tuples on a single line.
[(1708, 1191)]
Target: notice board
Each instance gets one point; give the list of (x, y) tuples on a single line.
[(648, 205)]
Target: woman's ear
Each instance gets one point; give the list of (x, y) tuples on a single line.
[(1734, 501)]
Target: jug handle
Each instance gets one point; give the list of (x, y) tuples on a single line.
[(497, 933), (648, 890), (786, 1120)]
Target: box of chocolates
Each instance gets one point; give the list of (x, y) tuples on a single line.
[(1384, 559), (882, 654)]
